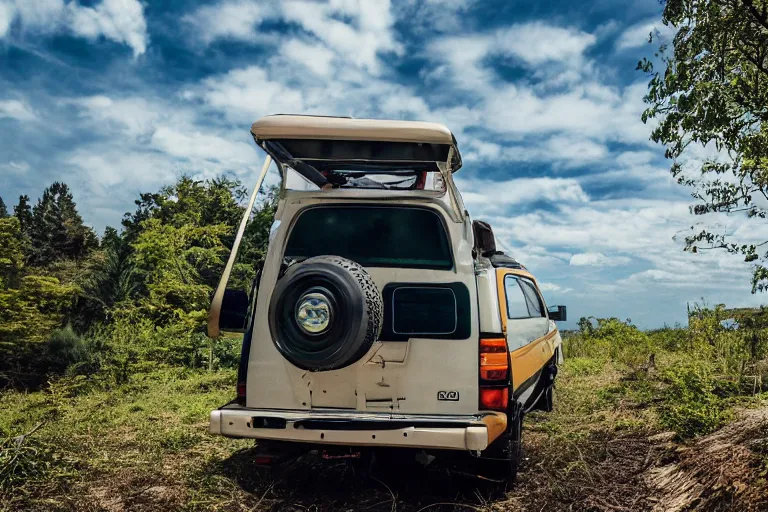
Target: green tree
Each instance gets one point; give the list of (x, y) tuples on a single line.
[(57, 230), (175, 262), (34, 309), (3, 209), (11, 255), (112, 239), (189, 202), (23, 212), (713, 91), (181, 237), (109, 282)]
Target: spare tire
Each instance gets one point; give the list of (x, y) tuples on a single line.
[(325, 313)]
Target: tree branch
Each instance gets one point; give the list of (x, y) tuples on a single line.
[(759, 65), (762, 18)]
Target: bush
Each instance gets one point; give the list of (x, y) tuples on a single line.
[(610, 338), (691, 406), (66, 349), (127, 347), (669, 338)]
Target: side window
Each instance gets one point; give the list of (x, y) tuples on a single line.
[(517, 306), (522, 299), (535, 307), (527, 316)]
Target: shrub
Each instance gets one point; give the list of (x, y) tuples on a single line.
[(127, 347), (610, 338), (669, 338), (691, 407), (65, 349)]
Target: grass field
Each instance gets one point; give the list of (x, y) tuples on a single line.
[(144, 445)]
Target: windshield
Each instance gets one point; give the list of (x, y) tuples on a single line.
[(373, 236)]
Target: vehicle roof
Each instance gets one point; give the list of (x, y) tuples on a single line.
[(289, 126)]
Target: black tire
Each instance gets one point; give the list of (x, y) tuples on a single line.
[(501, 460), (355, 320)]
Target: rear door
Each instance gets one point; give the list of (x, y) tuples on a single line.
[(426, 359), (530, 334)]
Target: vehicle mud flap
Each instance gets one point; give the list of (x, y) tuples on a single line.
[(500, 462)]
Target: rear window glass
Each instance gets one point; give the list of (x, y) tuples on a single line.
[(424, 311), (372, 236)]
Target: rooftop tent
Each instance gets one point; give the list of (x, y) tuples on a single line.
[(314, 144)]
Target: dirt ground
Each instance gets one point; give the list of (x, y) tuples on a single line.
[(605, 473), (148, 450)]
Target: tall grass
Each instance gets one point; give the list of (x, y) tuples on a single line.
[(700, 371)]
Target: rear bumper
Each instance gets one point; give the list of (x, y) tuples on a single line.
[(350, 428)]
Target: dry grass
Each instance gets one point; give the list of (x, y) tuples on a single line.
[(144, 446)]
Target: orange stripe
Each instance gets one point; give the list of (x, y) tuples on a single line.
[(528, 360)]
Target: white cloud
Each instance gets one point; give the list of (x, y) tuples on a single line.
[(553, 54), (434, 16), (203, 146), (136, 116), (538, 43), (358, 42), (16, 109), (355, 31), (246, 94), (121, 21), (237, 19), (637, 35), (486, 197), (554, 288), (315, 57), (566, 150), (597, 259), (615, 233), (42, 15), (15, 167), (563, 99), (107, 170), (7, 13)]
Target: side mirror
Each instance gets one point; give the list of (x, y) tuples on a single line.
[(557, 313), (234, 311)]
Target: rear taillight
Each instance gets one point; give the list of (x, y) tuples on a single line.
[(494, 398), (494, 374), (494, 360), (241, 391)]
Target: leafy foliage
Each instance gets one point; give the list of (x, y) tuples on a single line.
[(713, 91), (109, 283), (693, 375), (57, 230), (11, 255), (691, 407), (610, 338), (69, 304)]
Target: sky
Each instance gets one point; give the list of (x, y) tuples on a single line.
[(118, 97)]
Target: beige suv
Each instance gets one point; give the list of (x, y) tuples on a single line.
[(383, 316)]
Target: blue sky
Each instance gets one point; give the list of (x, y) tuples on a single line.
[(117, 97)]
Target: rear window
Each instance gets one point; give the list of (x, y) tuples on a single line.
[(373, 236)]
